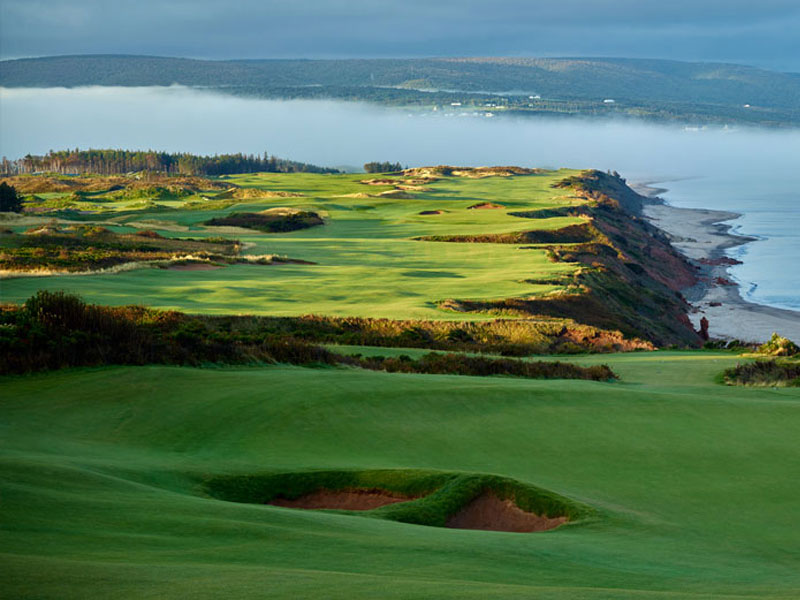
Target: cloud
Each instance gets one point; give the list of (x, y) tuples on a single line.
[(758, 33)]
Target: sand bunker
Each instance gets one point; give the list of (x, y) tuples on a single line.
[(380, 181), (490, 513), (343, 500), (487, 512), (484, 206), (396, 194), (355, 195), (432, 212)]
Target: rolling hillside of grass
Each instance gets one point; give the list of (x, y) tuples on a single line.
[(653, 479), (694, 483), (367, 238)]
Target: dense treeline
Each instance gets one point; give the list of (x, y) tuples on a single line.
[(53, 330), (382, 167), (109, 162)]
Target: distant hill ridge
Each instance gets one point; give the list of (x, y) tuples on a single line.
[(660, 87)]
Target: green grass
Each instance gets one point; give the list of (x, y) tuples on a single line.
[(694, 483), (367, 262)]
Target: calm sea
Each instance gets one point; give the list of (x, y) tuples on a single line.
[(752, 171)]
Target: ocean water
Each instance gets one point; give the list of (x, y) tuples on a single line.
[(752, 171), (769, 203)]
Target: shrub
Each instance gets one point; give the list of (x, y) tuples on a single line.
[(779, 346), (764, 372)]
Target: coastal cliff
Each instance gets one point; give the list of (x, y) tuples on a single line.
[(630, 277)]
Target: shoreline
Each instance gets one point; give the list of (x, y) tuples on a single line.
[(703, 236)]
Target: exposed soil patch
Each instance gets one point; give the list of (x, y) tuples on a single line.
[(432, 212), (484, 206), (489, 513), (343, 500)]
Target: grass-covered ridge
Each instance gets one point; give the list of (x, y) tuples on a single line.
[(433, 497), (574, 251)]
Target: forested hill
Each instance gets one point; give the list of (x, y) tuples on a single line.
[(641, 87)]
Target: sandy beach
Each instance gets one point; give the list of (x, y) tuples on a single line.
[(703, 236)]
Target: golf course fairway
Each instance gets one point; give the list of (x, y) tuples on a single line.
[(694, 483)]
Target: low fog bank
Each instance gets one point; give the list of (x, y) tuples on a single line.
[(338, 133)]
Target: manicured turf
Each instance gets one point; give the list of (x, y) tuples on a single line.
[(695, 483), (367, 262)]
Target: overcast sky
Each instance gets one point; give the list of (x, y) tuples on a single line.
[(758, 32)]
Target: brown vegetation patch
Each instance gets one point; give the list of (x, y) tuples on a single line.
[(487, 512), (342, 500), (485, 206)]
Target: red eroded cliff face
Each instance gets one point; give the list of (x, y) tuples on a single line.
[(631, 276)]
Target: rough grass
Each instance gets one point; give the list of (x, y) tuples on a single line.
[(509, 337), (57, 330)]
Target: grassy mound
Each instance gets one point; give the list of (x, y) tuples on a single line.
[(433, 498)]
